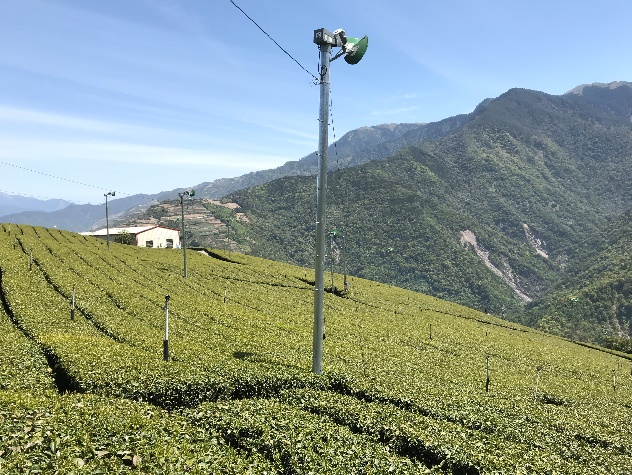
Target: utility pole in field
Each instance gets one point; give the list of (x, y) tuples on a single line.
[(107, 218), (352, 49), (183, 238)]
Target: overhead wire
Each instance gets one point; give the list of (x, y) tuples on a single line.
[(49, 175), (316, 81), (338, 205), (53, 176), (275, 42), (147, 201), (335, 217)]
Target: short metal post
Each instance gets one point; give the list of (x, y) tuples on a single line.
[(487, 379), (166, 342), (72, 308)]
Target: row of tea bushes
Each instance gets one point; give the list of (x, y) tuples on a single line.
[(404, 373), (79, 433), (22, 363), (464, 445), (297, 441)]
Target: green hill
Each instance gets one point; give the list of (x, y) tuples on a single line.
[(596, 291), (411, 384), (490, 216)]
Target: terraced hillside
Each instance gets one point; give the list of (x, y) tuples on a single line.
[(412, 384)]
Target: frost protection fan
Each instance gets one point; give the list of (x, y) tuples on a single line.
[(355, 49)]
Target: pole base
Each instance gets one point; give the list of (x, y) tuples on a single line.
[(165, 349)]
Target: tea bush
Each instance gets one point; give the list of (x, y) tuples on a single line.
[(404, 387)]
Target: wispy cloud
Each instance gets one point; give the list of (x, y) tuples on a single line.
[(11, 114), (14, 150), (31, 134), (41, 124)]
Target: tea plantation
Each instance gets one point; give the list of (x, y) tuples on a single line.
[(411, 384)]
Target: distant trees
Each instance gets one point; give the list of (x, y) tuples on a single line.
[(125, 238), (619, 343)]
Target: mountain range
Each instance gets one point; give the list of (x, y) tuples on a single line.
[(520, 208), (497, 214), (12, 204), (353, 148)]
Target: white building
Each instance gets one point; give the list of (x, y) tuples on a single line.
[(143, 236)]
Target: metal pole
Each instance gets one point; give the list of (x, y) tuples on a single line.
[(321, 190), (165, 346), (331, 260), (228, 238), (107, 221), (344, 260), (183, 239), (487, 371), (72, 309)]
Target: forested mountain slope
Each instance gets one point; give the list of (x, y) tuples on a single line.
[(489, 216), (594, 299), (353, 148)]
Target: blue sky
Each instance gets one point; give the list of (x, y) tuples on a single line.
[(141, 96)]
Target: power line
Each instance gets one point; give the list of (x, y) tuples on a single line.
[(280, 47), (56, 177)]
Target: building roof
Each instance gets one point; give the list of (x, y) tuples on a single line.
[(135, 230)]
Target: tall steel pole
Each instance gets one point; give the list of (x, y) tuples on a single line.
[(344, 260), (228, 236), (321, 190), (107, 222), (353, 49), (183, 239), (107, 218)]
